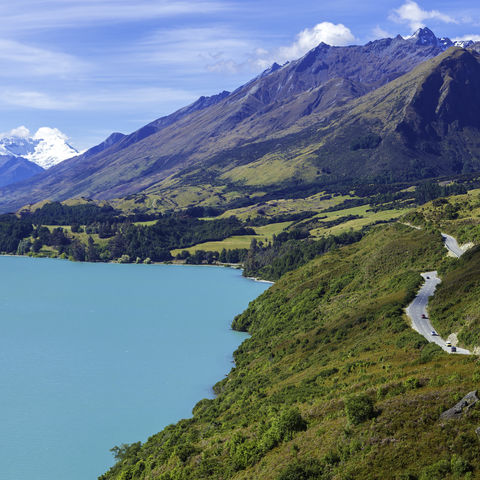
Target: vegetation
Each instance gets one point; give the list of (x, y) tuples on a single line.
[(56, 213), (455, 307), (289, 251), (12, 232), (332, 383), (458, 215)]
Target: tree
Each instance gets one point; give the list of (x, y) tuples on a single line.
[(23, 246), (37, 245), (91, 253), (77, 251)]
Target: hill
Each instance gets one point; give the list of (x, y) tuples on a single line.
[(332, 384)]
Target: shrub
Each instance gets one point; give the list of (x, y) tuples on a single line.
[(283, 428), (429, 352), (304, 470), (366, 142), (359, 408), (437, 471)]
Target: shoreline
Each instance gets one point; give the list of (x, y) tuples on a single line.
[(235, 266)]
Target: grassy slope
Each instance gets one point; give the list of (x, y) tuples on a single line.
[(331, 329), (317, 202), (367, 217), (264, 233), (458, 215)]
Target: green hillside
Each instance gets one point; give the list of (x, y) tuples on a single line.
[(333, 384)]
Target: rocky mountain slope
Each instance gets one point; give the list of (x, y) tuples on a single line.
[(267, 107), (421, 125)]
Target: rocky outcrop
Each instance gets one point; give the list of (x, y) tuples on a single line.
[(462, 407)]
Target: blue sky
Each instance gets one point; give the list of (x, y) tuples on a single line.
[(91, 67)]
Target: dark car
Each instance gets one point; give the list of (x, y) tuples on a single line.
[(423, 315), (453, 349)]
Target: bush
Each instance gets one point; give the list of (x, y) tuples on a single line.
[(359, 408), (124, 259), (460, 466), (283, 428), (366, 142), (437, 471), (429, 352), (304, 470)]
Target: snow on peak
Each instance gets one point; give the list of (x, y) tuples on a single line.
[(424, 36), (464, 43), (47, 147)]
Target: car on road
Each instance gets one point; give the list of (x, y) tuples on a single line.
[(428, 278), (433, 333), (453, 349), (423, 315), (448, 344)]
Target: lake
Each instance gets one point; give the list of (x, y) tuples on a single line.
[(96, 355)]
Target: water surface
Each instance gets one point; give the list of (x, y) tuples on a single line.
[(95, 355)]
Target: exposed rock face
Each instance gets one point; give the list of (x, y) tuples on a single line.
[(462, 407)]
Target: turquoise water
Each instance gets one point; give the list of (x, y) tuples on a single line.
[(95, 355)]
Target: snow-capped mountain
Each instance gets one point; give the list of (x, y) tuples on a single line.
[(424, 36), (47, 147)]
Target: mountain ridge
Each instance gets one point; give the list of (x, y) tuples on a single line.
[(324, 78)]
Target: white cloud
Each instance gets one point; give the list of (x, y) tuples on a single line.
[(117, 100), (193, 47), (226, 56), (21, 132), (475, 38), (309, 38), (379, 32), (19, 59), (34, 100), (27, 14), (412, 14), (326, 32)]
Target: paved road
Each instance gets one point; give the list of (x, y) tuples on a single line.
[(419, 307), (452, 245)]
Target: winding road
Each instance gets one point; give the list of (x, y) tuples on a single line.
[(417, 311), (452, 245)]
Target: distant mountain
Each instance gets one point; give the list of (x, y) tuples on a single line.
[(425, 37), (15, 169), (229, 141), (46, 148)]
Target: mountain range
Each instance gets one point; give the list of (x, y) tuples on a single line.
[(392, 110)]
